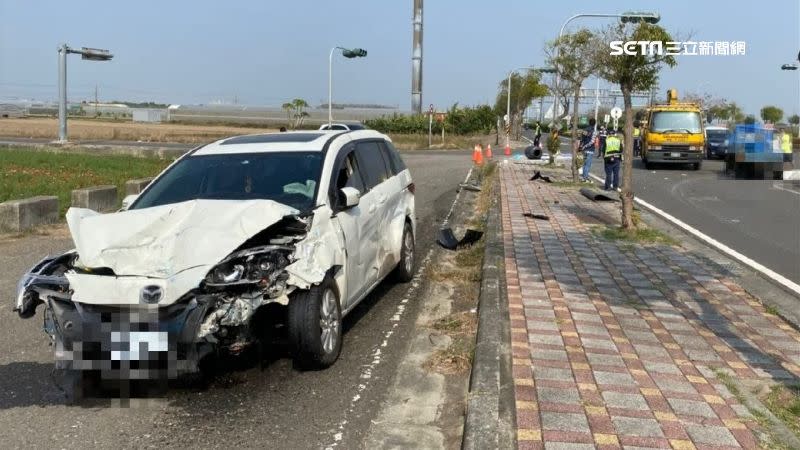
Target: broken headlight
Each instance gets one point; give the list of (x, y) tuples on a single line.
[(256, 265)]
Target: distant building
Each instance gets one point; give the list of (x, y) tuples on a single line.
[(149, 115)]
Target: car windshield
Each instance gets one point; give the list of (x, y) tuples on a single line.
[(290, 178), (717, 135), (675, 122)]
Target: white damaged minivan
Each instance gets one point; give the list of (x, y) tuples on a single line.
[(235, 236)]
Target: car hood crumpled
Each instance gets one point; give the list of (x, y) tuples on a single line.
[(162, 241)]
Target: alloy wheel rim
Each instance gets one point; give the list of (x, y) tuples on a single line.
[(329, 321), (409, 250)]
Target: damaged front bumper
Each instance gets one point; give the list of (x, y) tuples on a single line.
[(149, 342)]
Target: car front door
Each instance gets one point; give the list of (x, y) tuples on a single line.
[(376, 174), (354, 224)]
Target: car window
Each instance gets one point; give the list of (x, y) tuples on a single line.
[(371, 162), (240, 176), (349, 174), (395, 161)]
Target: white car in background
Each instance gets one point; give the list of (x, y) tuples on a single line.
[(343, 126), (235, 236)]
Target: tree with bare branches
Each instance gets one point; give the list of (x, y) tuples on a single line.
[(632, 73), (575, 57)]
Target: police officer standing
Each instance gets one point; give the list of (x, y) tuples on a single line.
[(612, 158)]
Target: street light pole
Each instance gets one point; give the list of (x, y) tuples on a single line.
[(62, 93), (330, 85), (91, 54), (347, 53), (626, 17)]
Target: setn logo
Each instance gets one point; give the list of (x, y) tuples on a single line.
[(674, 48)]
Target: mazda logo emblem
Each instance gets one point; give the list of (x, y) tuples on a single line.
[(151, 294)]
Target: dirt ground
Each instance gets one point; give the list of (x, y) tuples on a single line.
[(90, 130)]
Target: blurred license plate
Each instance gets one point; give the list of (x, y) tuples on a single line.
[(675, 155), (135, 345)]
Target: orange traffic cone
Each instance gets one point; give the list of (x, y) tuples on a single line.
[(507, 150), (477, 155), (489, 151)]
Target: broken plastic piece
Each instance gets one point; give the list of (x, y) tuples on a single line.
[(470, 187), (597, 196), (536, 216), (448, 240), (538, 175)]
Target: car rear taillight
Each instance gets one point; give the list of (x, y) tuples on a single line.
[(411, 188)]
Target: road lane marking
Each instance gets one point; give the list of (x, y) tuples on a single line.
[(368, 368), (754, 265)]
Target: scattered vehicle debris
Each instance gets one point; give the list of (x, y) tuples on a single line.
[(447, 239), (469, 187), (598, 196), (538, 176), (533, 152), (536, 216)]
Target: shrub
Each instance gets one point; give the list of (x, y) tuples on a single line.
[(466, 120)]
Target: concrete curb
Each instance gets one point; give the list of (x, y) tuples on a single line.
[(489, 419)]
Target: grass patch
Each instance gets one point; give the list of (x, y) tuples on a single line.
[(638, 235), (784, 402), (123, 130), (27, 172), (771, 310), (470, 257), (463, 276), (457, 357)]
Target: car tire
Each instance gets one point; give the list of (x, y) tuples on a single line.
[(697, 165), (404, 271), (648, 165), (314, 322)]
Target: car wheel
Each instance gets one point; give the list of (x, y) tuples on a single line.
[(404, 271), (315, 326), (697, 165), (648, 165)]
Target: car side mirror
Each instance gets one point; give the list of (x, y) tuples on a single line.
[(349, 197), (128, 201)]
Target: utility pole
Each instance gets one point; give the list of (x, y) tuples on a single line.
[(95, 99), (416, 60)]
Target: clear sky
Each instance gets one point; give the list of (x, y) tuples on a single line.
[(266, 52)]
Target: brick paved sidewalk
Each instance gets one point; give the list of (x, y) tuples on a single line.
[(617, 345)]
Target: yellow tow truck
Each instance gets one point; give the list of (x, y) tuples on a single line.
[(673, 133)]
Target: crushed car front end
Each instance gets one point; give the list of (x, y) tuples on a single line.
[(146, 326)]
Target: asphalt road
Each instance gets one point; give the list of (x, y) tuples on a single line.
[(271, 407), (758, 218)]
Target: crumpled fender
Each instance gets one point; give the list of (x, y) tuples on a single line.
[(317, 253)]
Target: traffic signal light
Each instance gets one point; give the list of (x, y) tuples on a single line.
[(354, 53)]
